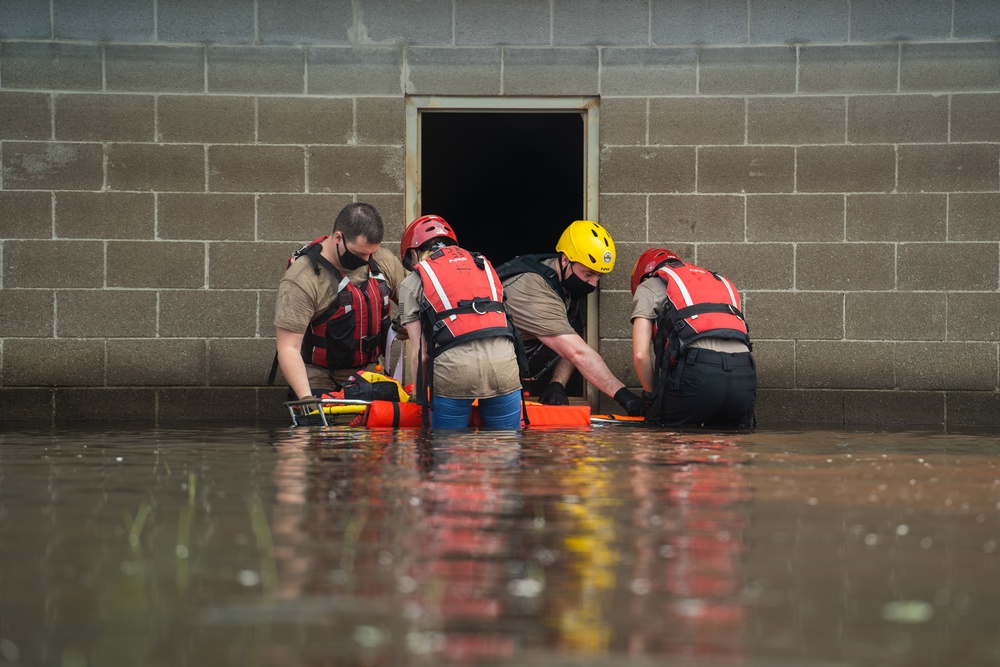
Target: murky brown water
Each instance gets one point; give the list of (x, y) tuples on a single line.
[(614, 546)]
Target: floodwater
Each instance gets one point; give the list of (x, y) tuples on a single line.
[(215, 545)]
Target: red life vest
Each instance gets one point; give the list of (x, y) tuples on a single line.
[(463, 299), (701, 304), (351, 332)]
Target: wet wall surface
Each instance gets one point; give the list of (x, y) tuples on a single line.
[(242, 545)]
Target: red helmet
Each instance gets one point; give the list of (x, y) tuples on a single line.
[(422, 230), (648, 262)]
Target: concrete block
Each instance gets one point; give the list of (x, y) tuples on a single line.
[(299, 120), (656, 71), (256, 169), (796, 315), (624, 216), (616, 308), (105, 215), (600, 22), (974, 316), (155, 264), (796, 120), (30, 264), (949, 67), (891, 119), (27, 313), (208, 314), (752, 70), (256, 69), (843, 365), (845, 69), (239, 362), (548, 71), (206, 403), (26, 404), (266, 300), (297, 219), (792, 22), (238, 265), (392, 209), (470, 71), (697, 121), (156, 167), (972, 216), (775, 361), (647, 169), (623, 121), (797, 217), (50, 66), (105, 403), (156, 362), (751, 266), (47, 362), (744, 169), (99, 117), (948, 266), (845, 266), (407, 22), (212, 21), (25, 116), (206, 216), (271, 404), (949, 167), (346, 71), (892, 20), (897, 217), (973, 117), (97, 313), (25, 214), (973, 410), (52, 166), (305, 22), (496, 22), (356, 169), (381, 121), (25, 19), (887, 316), (209, 119), (976, 19), (846, 168), (800, 406), (698, 22), (894, 408), (695, 218), (111, 21), (159, 69), (946, 366)]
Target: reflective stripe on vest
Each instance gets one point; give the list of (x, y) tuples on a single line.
[(691, 286)]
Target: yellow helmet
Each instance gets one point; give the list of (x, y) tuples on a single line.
[(588, 243)]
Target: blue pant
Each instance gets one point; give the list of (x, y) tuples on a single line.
[(497, 412)]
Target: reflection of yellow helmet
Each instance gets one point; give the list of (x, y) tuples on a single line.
[(588, 243)]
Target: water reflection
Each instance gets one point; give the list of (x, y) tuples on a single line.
[(615, 545)]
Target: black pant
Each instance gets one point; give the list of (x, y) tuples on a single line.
[(708, 389)]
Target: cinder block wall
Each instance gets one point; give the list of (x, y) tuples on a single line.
[(839, 160)]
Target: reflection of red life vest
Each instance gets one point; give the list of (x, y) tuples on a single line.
[(701, 304), (351, 332), (463, 299)]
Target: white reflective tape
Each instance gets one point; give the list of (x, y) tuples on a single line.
[(731, 290), (437, 286), (680, 285), (493, 281)]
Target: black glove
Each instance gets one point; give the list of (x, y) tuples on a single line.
[(632, 404), (554, 394)]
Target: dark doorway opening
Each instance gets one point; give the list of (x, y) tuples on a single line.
[(508, 183)]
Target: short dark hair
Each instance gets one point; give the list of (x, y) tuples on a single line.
[(360, 219)]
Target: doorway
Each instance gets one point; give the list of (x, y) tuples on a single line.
[(509, 174)]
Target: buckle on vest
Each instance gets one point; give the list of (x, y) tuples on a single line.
[(369, 344)]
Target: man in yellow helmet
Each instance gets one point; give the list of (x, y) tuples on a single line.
[(544, 296)]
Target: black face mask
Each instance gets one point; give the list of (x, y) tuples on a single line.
[(576, 286), (349, 260)]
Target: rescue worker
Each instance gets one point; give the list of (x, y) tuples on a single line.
[(703, 373), (461, 341), (331, 316), (545, 293)]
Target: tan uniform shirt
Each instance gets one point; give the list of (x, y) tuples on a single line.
[(536, 309), (481, 368), (303, 296), (650, 301)]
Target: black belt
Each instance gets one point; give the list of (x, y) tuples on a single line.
[(700, 355)]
